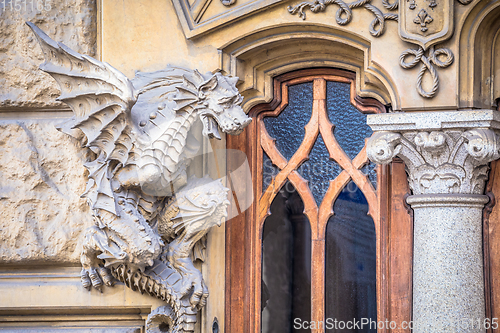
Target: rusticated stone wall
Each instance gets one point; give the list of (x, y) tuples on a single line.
[(41, 173), (41, 179), (72, 22)]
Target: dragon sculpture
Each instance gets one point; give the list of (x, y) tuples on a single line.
[(148, 214)]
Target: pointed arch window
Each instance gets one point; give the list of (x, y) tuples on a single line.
[(314, 243)]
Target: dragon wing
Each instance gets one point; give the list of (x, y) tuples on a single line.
[(101, 98)]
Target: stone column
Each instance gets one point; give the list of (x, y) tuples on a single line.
[(446, 156)]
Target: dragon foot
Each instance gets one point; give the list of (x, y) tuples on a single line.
[(94, 274), (193, 280), (96, 277)]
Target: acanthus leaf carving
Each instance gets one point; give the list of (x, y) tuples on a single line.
[(148, 214), (454, 161)]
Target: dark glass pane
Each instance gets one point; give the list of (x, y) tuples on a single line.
[(288, 127), (350, 124), (370, 169), (351, 261), (319, 170), (269, 171), (286, 264)]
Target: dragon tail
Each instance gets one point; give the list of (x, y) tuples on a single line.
[(160, 281)]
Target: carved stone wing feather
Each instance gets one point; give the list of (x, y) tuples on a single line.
[(101, 98)]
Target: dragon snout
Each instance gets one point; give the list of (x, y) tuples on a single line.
[(238, 117), (245, 122), (236, 127), (237, 124)]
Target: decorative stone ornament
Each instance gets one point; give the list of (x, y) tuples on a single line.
[(425, 23), (446, 156), (451, 161), (344, 13), (137, 135), (423, 18), (228, 2), (428, 62), (440, 157), (421, 22)]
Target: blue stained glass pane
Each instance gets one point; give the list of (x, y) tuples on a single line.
[(370, 170), (350, 124), (269, 171), (350, 275), (288, 127), (319, 170)]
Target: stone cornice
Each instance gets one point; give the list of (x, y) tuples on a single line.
[(444, 152), (434, 120)]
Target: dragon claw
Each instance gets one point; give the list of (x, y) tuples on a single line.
[(96, 277), (199, 297), (87, 284), (106, 276), (193, 281)]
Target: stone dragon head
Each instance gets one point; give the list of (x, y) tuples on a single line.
[(221, 106), (213, 97)]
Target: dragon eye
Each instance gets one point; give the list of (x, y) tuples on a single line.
[(229, 101)]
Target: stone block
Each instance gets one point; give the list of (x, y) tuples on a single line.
[(41, 180), (72, 22)]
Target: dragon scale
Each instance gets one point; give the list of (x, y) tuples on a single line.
[(168, 148)]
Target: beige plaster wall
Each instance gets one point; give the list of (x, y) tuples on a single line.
[(149, 35)]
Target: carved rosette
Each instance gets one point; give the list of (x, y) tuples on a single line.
[(445, 161)]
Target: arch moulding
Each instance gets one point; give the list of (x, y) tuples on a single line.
[(259, 57), (479, 75)]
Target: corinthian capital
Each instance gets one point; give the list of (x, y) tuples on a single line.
[(450, 155)]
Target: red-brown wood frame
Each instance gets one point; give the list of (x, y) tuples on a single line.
[(244, 232), (491, 245)]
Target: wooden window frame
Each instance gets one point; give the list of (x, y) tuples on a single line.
[(393, 225)]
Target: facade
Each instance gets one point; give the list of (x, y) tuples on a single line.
[(363, 190)]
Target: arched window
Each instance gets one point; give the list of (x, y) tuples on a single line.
[(315, 242)]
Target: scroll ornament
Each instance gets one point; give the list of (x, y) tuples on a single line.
[(148, 214), (417, 21), (439, 161)]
